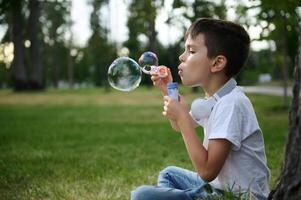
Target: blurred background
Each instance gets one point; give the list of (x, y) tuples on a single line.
[(66, 134), (62, 44)]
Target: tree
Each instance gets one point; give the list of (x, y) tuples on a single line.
[(279, 22), (28, 72), (285, 18), (17, 27), (36, 79), (15, 16), (208, 9), (54, 26), (100, 51), (71, 50), (141, 25), (289, 186)]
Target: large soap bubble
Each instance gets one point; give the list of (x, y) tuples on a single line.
[(124, 74)]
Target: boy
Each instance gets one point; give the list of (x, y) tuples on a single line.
[(232, 155)]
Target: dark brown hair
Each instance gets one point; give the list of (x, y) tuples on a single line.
[(223, 38)]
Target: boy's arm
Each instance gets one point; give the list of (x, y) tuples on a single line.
[(175, 126), (207, 163)]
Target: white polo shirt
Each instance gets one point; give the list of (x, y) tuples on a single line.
[(245, 169)]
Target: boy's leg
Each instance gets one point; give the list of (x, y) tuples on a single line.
[(177, 184), (179, 178), (147, 192)]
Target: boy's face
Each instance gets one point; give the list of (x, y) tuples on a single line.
[(194, 69)]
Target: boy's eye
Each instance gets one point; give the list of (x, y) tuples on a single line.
[(190, 51)]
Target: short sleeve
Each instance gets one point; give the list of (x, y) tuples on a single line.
[(226, 123)]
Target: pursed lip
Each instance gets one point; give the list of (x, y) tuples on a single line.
[(180, 71)]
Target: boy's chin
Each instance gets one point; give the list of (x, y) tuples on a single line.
[(194, 85), (189, 84)]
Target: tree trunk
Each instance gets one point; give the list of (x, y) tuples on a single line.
[(70, 56), (152, 37), (70, 71), (285, 71), (36, 80), (55, 67), (151, 44), (289, 186), (18, 67)]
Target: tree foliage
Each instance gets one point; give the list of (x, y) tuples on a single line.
[(54, 20), (141, 25), (62, 60), (100, 52)]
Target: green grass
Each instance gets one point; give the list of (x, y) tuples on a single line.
[(86, 144)]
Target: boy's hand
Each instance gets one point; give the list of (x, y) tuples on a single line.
[(176, 110), (161, 83)]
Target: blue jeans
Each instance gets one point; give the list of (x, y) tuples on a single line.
[(175, 183)]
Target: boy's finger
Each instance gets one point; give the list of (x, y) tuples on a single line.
[(166, 98), (154, 78), (165, 108), (168, 71), (153, 73)]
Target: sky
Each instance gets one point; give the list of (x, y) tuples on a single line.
[(116, 18)]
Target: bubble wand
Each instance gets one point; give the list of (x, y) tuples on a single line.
[(149, 63)]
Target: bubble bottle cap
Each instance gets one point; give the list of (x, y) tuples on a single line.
[(172, 85), (173, 91)]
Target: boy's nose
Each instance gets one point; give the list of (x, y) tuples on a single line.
[(181, 57)]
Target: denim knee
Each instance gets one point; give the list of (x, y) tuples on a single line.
[(165, 177), (148, 192), (142, 192), (169, 170)]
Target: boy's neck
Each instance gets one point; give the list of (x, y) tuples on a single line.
[(214, 85)]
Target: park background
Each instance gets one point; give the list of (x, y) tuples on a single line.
[(66, 134)]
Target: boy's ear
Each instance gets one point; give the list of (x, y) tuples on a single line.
[(219, 63)]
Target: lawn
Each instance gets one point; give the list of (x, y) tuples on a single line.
[(88, 144)]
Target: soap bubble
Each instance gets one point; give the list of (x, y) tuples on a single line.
[(124, 74), (148, 60)]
